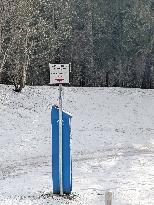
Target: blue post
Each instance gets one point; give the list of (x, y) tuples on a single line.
[(66, 152)]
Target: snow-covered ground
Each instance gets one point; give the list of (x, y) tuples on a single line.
[(113, 145)]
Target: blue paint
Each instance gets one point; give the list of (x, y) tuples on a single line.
[(66, 151)]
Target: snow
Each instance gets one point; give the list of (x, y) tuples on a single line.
[(112, 145)]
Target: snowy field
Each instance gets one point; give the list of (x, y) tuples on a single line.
[(113, 145)]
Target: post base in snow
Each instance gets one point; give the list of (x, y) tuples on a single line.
[(108, 198)]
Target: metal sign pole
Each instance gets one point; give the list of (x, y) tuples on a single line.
[(60, 140), (59, 74)]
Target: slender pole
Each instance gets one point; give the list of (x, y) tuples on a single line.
[(60, 140)]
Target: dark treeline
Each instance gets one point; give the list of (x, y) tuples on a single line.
[(108, 42)]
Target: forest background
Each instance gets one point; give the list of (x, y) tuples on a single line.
[(107, 42)]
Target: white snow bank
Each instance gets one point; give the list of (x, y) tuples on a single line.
[(113, 145)]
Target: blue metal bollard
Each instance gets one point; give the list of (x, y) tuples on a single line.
[(66, 151)]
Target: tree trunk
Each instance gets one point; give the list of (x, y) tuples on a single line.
[(89, 48)]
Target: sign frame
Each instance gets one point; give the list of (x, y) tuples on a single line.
[(59, 73)]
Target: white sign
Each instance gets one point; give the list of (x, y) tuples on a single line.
[(59, 73)]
